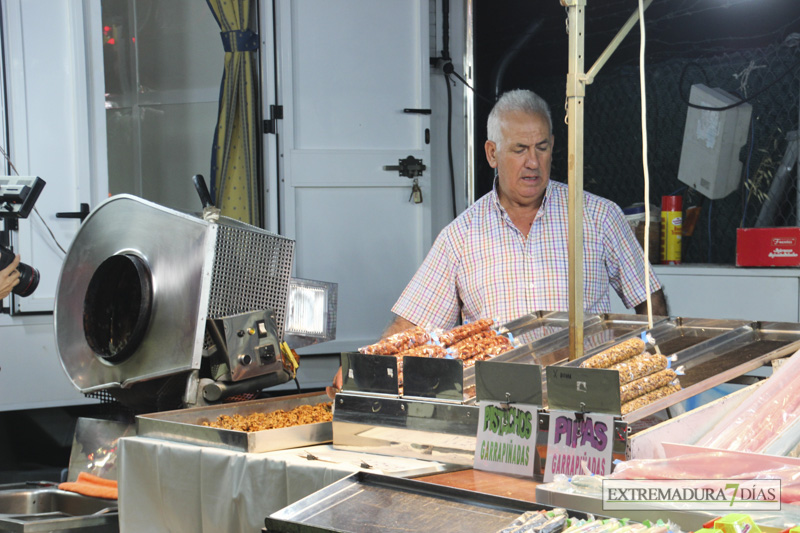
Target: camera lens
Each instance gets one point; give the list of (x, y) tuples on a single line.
[(28, 276)]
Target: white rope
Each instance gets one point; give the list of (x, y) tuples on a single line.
[(646, 238)]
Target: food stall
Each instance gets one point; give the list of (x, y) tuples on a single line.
[(410, 410), (438, 425)]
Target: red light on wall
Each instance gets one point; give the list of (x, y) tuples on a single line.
[(111, 41)]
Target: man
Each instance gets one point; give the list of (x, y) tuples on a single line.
[(9, 278), (507, 254)]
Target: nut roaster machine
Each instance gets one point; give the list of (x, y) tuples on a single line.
[(162, 309)]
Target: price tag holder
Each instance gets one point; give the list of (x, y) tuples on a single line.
[(427, 377), (592, 390), (506, 441), (575, 439), (508, 382), (369, 373)]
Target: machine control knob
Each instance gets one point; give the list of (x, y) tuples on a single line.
[(245, 359)]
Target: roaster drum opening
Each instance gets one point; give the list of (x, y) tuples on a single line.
[(116, 310)]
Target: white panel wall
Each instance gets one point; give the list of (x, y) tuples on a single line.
[(728, 292), (58, 134)]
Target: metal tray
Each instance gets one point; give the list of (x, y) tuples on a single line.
[(41, 506), (185, 425), (718, 356), (599, 332), (366, 503), (550, 332)]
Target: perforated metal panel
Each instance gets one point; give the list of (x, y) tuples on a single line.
[(251, 271)]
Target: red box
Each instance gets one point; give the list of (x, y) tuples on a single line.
[(768, 247)]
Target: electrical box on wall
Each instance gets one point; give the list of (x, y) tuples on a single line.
[(711, 142)]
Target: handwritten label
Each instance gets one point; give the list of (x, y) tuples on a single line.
[(506, 438), (573, 441)]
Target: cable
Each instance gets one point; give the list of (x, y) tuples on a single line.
[(512, 52), (450, 142), (446, 30), (10, 164), (449, 70), (710, 203), (49, 231), (747, 171), (735, 104), (646, 237)]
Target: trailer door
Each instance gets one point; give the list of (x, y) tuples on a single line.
[(352, 83)]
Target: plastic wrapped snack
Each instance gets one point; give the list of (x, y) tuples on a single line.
[(424, 350), (642, 386), (452, 336), (481, 344), (538, 522), (639, 366), (466, 348), (399, 342), (526, 517), (650, 397), (616, 354)]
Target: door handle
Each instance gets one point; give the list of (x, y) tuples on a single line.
[(409, 167), (82, 214)]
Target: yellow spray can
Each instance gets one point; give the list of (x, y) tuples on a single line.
[(671, 229)]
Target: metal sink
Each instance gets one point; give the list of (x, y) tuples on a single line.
[(42, 507)]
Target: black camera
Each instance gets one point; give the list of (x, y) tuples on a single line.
[(28, 276), (17, 196)]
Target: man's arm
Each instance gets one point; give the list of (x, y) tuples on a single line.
[(398, 324), (659, 302)]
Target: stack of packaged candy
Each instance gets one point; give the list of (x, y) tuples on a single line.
[(732, 523), (558, 521), (644, 377)]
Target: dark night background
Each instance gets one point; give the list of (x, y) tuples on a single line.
[(705, 41)]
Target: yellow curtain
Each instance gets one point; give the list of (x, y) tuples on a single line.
[(234, 160)]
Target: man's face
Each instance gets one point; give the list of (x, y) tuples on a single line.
[(523, 159)]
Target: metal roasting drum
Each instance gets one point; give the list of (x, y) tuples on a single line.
[(161, 307)]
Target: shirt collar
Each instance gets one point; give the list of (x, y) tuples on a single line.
[(540, 213)]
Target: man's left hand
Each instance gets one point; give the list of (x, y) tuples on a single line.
[(659, 303)]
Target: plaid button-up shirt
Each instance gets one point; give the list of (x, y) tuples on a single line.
[(482, 266)]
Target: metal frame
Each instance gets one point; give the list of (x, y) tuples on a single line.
[(575, 94)]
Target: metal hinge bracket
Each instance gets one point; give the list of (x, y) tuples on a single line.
[(275, 114)]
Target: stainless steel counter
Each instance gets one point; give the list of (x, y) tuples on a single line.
[(707, 353)]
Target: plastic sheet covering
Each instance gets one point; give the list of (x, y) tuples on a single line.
[(757, 423), (591, 487), (171, 486), (717, 465)]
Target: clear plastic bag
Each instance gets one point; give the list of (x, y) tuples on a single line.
[(758, 421)]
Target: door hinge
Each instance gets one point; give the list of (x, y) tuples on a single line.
[(275, 114)]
